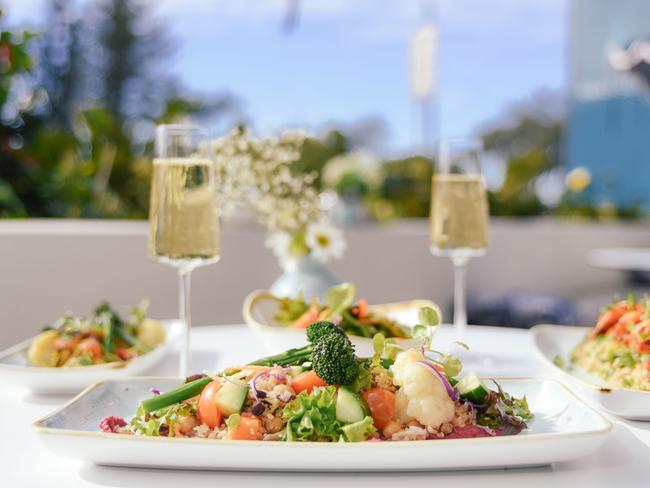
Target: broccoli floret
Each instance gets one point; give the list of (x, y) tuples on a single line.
[(322, 328), (330, 352), (334, 361)]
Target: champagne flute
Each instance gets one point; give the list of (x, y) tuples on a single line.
[(183, 216), (459, 213)]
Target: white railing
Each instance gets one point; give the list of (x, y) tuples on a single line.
[(50, 266)]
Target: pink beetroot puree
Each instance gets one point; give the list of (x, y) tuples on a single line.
[(111, 424), (470, 431)]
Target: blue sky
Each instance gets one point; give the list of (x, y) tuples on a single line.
[(348, 60)]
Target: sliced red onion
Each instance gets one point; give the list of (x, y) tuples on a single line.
[(452, 392), (155, 391), (258, 393)]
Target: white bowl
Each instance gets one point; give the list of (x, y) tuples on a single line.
[(15, 368), (558, 340), (260, 308)]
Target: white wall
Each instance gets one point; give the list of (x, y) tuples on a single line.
[(50, 266)]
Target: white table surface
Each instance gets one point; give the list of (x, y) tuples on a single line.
[(622, 461)]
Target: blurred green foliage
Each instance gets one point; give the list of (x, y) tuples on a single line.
[(61, 156), (405, 189)]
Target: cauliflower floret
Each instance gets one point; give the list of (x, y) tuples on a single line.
[(422, 396)]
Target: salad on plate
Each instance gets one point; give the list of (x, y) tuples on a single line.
[(353, 316), (104, 337), (323, 392), (618, 348)]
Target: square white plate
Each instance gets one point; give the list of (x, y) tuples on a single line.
[(15, 368), (564, 428), (558, 340)]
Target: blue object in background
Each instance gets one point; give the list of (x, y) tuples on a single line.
[(611, 137)]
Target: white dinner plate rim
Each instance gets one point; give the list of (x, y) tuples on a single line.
[(39, 428)]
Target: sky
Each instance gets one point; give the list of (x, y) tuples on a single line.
[(347, 61)]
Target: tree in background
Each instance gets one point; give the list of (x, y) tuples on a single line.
[(530, 148), (84, 149), (15, 66), (60, 66)]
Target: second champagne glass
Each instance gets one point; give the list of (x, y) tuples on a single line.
[(183, 215), (459, 213)]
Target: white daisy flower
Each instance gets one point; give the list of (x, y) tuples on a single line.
[(324, 241)]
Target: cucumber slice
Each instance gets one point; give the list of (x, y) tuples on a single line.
[(231, 397), (471, 388), (350, 407)]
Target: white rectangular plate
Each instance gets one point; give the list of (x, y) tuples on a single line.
[(15, 368), (564, 428), (558, 340)]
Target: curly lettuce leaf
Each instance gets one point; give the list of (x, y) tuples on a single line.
[(359, 431), (311, 417), (149, 424)]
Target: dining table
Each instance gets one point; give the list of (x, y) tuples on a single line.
[(622, 461)]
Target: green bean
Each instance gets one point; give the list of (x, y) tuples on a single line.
[(183, 392)]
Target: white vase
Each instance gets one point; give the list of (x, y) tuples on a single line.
[(304, 275)]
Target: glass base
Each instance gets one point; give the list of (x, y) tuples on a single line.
[(186, 264), (457, 252)]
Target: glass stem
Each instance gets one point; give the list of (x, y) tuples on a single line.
[(184, 314), (460, 308)]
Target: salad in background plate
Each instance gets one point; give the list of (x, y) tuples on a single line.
[(280, 323), (353, 316), (105, 337), (617, 349)]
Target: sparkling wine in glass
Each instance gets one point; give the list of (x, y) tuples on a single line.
[(459, 213), (183, 216)]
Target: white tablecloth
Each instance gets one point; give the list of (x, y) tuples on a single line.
[(623, 461)]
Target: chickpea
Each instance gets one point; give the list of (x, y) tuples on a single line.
[(391, 428)]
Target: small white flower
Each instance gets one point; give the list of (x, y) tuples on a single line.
[(324, 241), (279, 243)]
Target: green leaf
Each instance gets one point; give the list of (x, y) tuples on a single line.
[(233, 421), (462, 344), (378, 343), (420, 332), (338, 298), (453, 366), (428, 316), (312, 416), (392, 349), (359, 431), (631, 300)]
